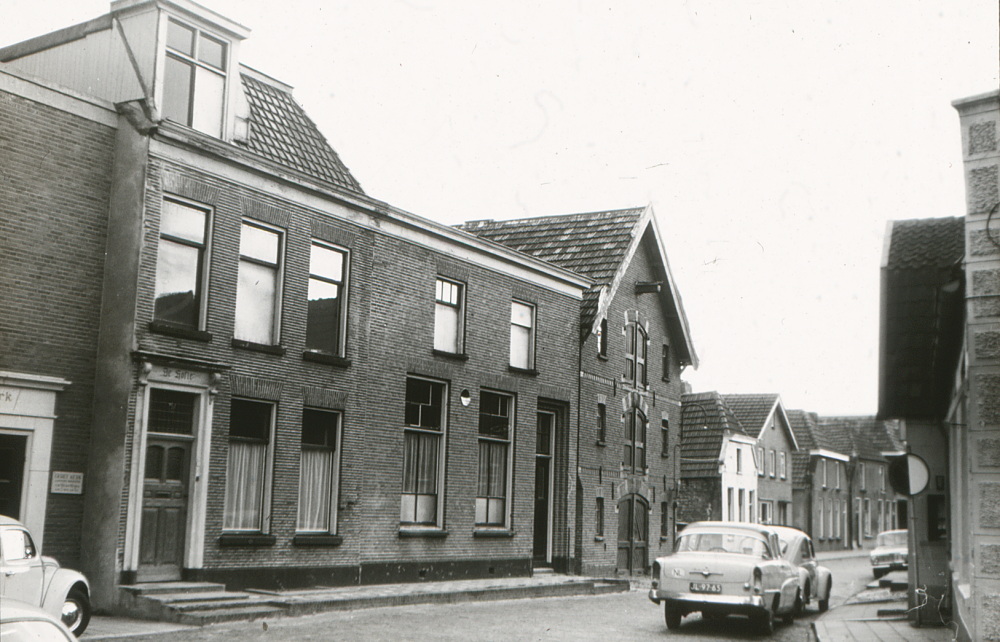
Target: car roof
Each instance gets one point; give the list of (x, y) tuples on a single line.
[(787, 532), (14, 610), (9, 521), (727, 526)]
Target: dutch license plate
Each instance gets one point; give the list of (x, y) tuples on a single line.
[(701, 587)]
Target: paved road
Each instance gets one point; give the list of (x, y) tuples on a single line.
[(620, 616)]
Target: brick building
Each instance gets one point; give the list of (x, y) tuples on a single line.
[(299, 384), (634, 342)]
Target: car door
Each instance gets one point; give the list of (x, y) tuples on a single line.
[(807, 560), (21, 571), (783, 576)]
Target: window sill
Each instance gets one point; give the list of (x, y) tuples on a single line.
[(317, 539), (455, 356), (328, 359), (602, 357), (430, 533), (492, 533), (531, 372), (598, 538), (183, 332), (247, 539), (601, 443), (664, 539), (258, 347)]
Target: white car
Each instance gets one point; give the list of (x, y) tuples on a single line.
[(892, 553), (27, 576), (816, 581), (20, 622), (726, 568)]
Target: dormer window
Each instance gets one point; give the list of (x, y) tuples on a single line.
[(194, 83)]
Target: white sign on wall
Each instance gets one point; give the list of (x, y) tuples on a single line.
[(64, 483)]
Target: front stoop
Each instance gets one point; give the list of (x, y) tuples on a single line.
[(201, 603), (197, 603)]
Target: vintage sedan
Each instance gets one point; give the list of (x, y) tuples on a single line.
[(27, 576), (892, 552), (726, 568), (816, 581)]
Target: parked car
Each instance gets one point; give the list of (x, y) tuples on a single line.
[(26, 575), (816, 581), (22, 622), (726, 568), (892, 553)]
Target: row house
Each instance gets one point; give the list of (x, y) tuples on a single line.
[(719, 469), (226, 362), (938, 365), (763, 417), (625, 459), (821, 494)]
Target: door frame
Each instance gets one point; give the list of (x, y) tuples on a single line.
[(550, 491), (205, 385), (635, 500)]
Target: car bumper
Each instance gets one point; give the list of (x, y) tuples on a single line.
[(889, 566), (696, 601)]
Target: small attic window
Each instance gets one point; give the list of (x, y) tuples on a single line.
[(194, 82)]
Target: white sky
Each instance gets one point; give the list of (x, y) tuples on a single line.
[(774, 140)]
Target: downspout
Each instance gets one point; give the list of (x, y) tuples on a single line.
[(578, 518)]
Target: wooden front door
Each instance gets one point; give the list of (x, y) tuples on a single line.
[(633, 535), (170, 433), (13, 450), (544, 448)]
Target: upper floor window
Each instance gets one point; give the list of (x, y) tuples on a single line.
[(325, 319), (784, 470), (861, 475), (495, 432), (423, 452), (665, 362), (194, 80), (881, 478), (760, 462), (319, 471), (181, 265), (836, 474), (257, 294), (635, 354), (448, 298), (824, 466), (522, 335), (635, 441), (739, 460), (602, 338), (771, 469), (602, 422), (664, 435)]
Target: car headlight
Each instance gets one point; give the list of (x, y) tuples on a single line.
[(678, 572)]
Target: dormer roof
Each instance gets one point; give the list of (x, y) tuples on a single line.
[(599, 245)]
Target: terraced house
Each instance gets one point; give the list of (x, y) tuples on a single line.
[(272, 378), (633, 343)]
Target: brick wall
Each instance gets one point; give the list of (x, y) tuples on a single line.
[(56, 172)]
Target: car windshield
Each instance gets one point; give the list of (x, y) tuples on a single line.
[(741, 543), (892, 539)]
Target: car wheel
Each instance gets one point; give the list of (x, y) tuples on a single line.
[(824, 603), (76, 611), (807, 594), (797, 610), (672, 615), (765, 621)]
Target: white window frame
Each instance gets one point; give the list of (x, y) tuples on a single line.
[(444, 305), (823, 461), (731, 504), (739, 460), (205, 261), (761, 464), (482, 507), (766, 511), (822, 513), (199, 69), (442, 442), (784, 471), (264, 525), (752, 509), (836, 473), (528, 362), (868, 517), (344, 288), (279, 277), (773, 463), (333, 481), (861, 466)]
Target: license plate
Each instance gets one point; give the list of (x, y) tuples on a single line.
[(701, 587)]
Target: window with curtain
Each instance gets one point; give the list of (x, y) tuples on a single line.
[(423, 442), (180, 265), (522, 335), (495, 431), (635, 440), (448, 316), (325, 319), (259, 284), (319, 471), (247, 486)]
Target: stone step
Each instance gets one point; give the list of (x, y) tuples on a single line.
[(242, 614), (202, 596), (153, 588)]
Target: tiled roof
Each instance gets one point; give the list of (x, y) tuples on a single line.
[(927, 243), (868, 437), (802, 424), (921, 316), (800, 468), (281, 131), (752, 410), (704, 419)]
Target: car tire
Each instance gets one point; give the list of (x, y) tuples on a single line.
[(796, 610), (807, 594), (765, 621), (672, 615), (76, 610), (824, 603)]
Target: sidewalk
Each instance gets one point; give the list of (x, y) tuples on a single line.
[(307, 601), (876, 614)]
